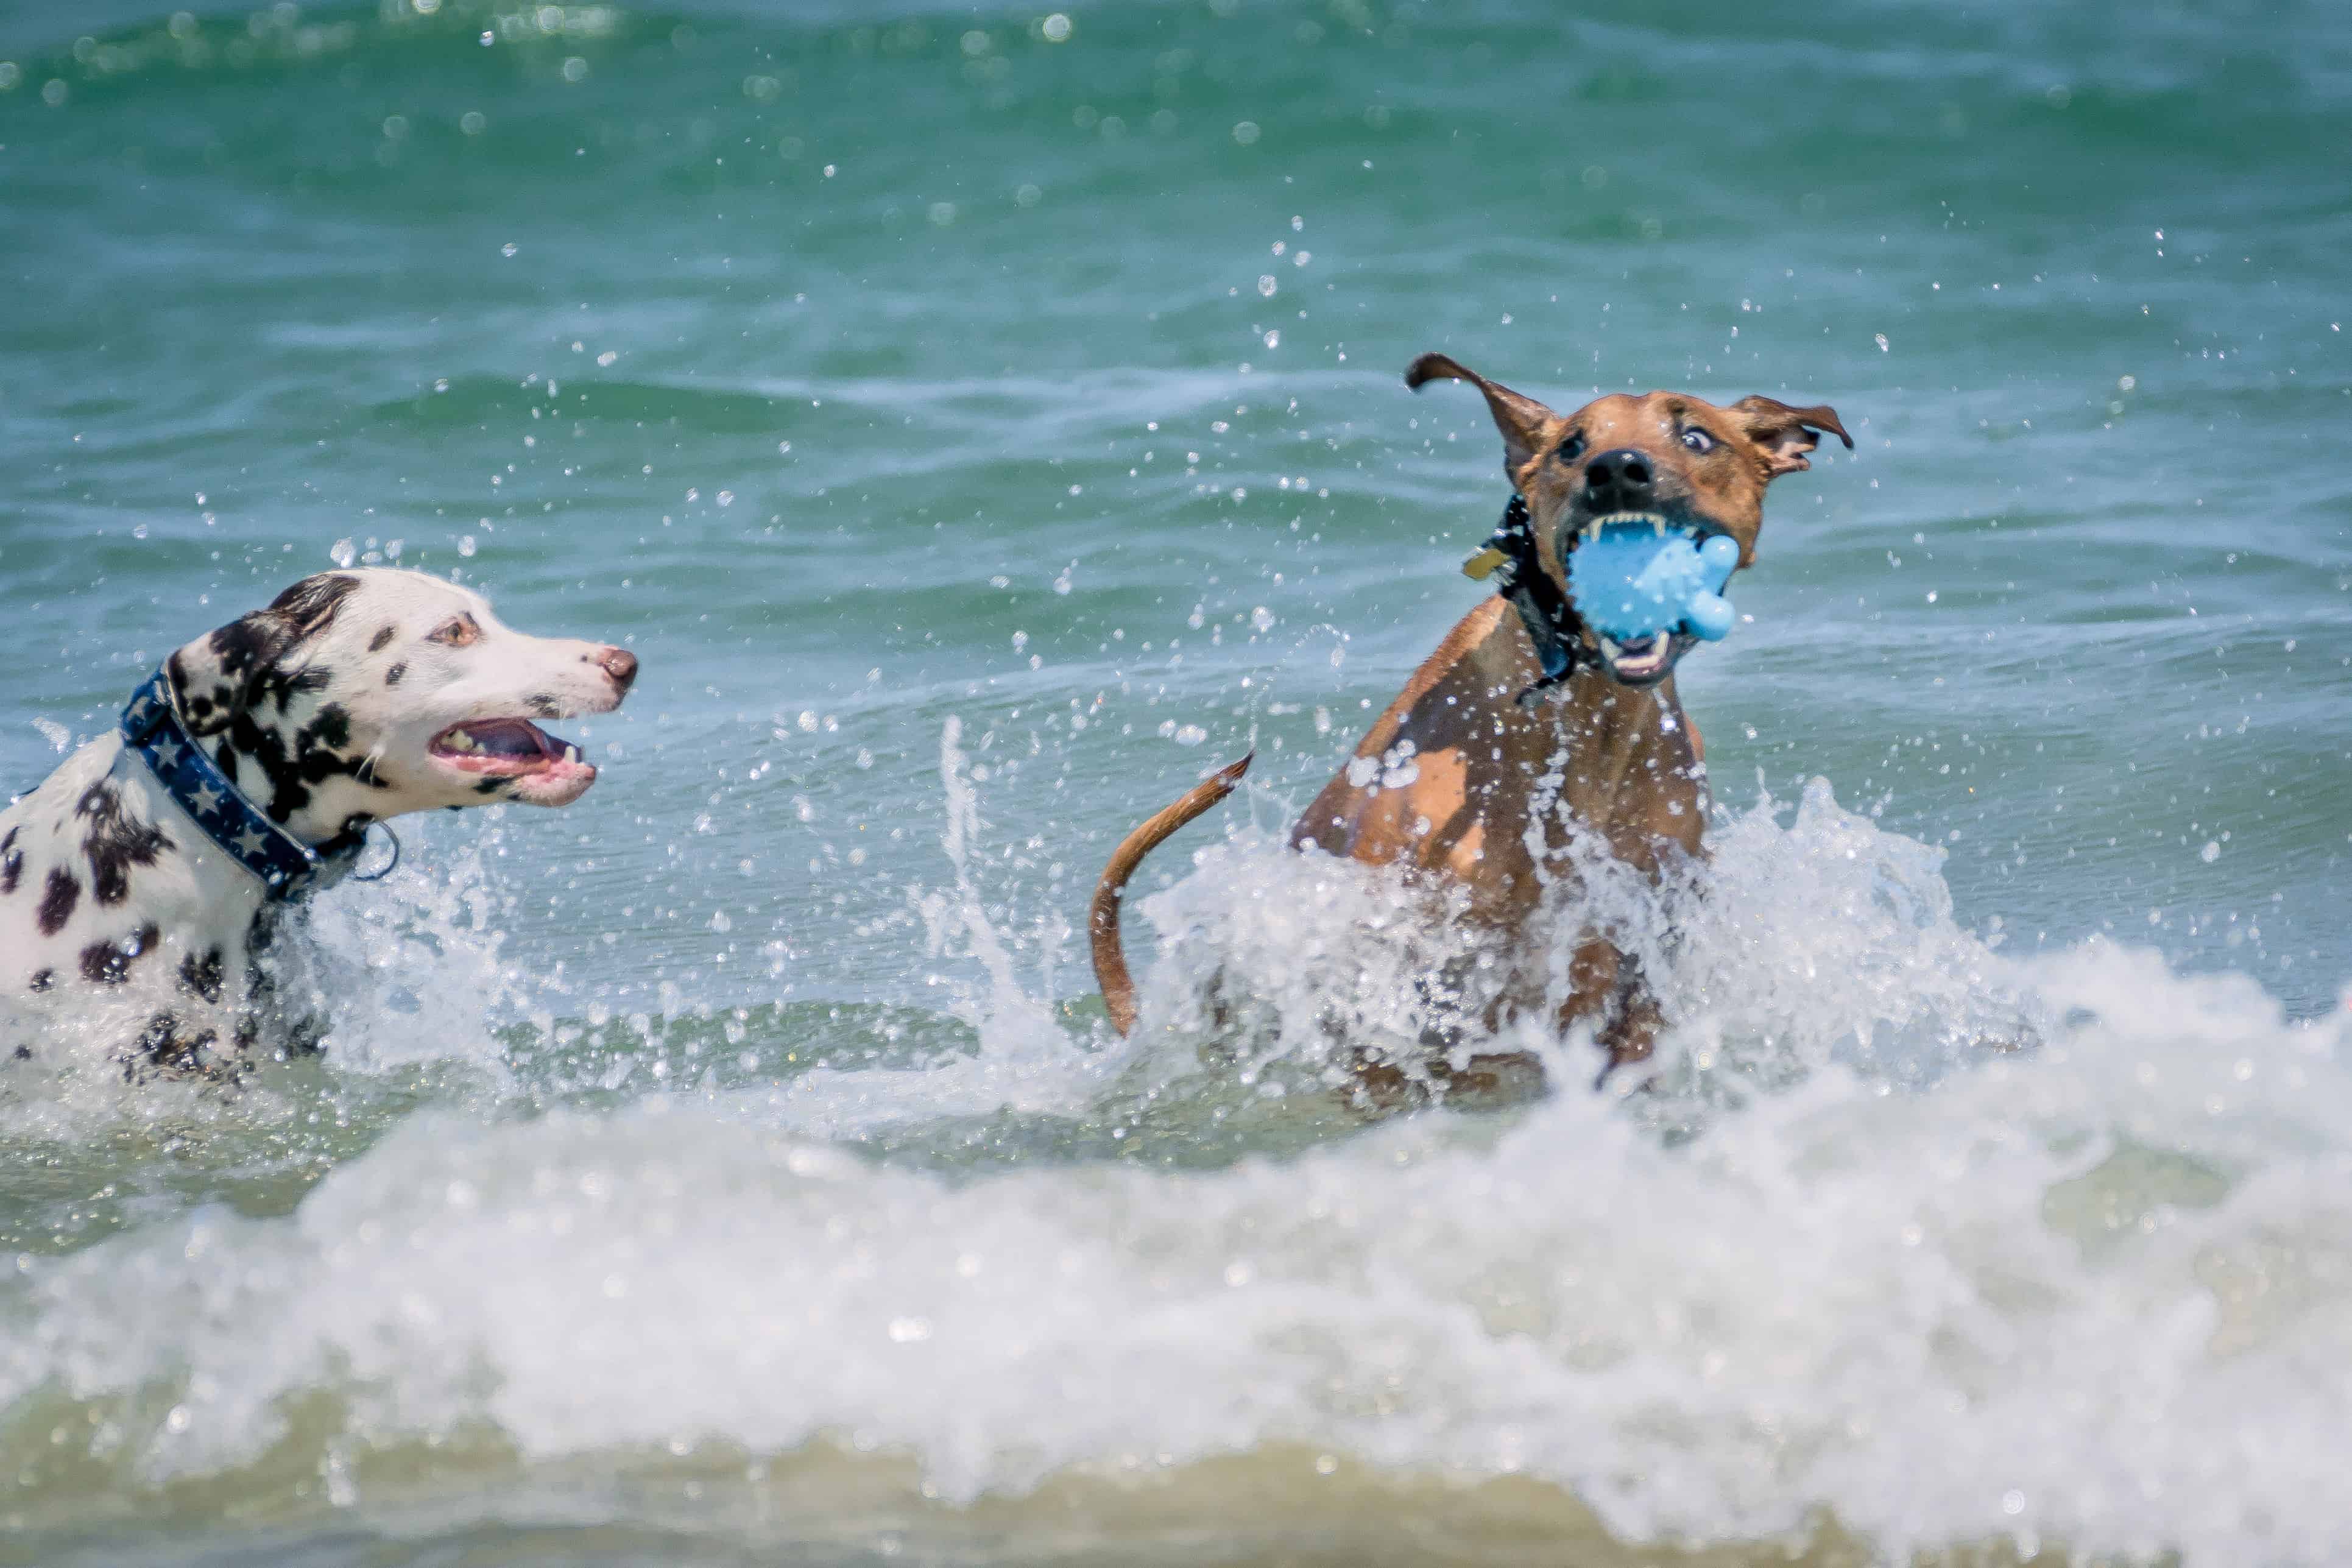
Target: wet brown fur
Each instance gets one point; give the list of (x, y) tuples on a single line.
[(1633, 772)]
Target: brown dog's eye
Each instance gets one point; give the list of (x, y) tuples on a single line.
[(1570, 449), (457, 631), (1698, 440)]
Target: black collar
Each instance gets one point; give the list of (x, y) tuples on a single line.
[(1509, 558), (286, 865)]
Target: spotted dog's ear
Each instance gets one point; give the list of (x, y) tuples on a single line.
[(1786, 434), (216, 676), (1520, 418)]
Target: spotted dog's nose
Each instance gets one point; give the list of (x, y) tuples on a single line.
[(620, 664), (1618, 481)]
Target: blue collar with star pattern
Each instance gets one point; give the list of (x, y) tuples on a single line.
[(286, 865)]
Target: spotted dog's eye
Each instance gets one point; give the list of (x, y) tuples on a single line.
[(1698, 440), (1570, 449), (457, 631)]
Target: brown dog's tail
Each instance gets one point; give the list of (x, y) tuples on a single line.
[(1102, 918)]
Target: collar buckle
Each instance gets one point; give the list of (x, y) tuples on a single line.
[(150, 710), (1510, 561)]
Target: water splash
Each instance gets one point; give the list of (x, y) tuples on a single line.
[(1901, 1308), (1024, 1057), (1788, 948)]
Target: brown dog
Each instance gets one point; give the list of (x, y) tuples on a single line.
[(1612, 748)]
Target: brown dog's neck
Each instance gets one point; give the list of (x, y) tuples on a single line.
[(1602, 751), (1594, 717), (1455, 772)]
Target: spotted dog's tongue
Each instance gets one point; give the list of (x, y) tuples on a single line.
[(505, 740), (515, 739), (1633, 580)]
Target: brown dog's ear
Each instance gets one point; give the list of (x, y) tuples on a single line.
[(1519, 418), (216, 676), (1786, 434)]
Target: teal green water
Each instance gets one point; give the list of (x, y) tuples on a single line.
[(731, 1168)]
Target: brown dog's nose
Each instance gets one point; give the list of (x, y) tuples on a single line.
[(1618, 481), (620, 664)]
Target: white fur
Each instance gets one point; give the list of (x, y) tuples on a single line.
[(325, 709)]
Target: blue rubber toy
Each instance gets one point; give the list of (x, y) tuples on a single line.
[(1635, 582)]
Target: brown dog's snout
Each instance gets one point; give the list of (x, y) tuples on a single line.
[(620, 664), (1621, 480)]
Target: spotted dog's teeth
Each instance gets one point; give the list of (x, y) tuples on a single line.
[(460, 741), (571, 753)]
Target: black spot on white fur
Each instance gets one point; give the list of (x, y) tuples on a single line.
[(57, 900), (311, 604), (108, 963), (12, 863), (203, 977), (383, 639), (294, 764), (247, 655), (115, 842)]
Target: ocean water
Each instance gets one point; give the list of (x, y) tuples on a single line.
[(981, 423)]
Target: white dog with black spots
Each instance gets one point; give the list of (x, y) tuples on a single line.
[(355, 697)]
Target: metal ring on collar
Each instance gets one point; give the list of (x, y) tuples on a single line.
[(386, 871)]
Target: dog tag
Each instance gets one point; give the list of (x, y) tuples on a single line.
[(1480, 566)]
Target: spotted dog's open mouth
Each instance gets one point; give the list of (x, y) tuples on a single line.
[(516, 753)]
